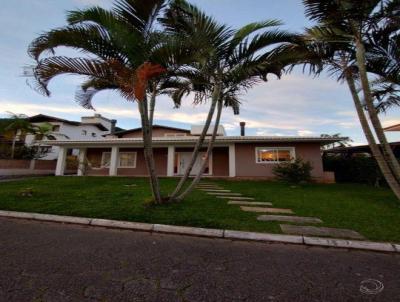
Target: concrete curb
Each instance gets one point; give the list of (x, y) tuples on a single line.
[(211, 233)]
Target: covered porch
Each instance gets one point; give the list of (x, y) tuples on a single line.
[(122, 160)]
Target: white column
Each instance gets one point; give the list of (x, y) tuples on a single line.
[(170, 160), (81, 162), (232, 161), (61, 161), (114, 161)]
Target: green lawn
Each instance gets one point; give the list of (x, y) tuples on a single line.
[(371, 211)]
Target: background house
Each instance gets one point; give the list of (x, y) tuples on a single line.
[(90, 127)]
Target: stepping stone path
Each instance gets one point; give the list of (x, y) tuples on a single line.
[(249, 203), (296, 219), (224, 194), (236, 197), (266, 210), (320, 231)]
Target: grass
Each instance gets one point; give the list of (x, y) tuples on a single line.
[(373, 212)]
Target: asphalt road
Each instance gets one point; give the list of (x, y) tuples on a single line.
[(55, 262)]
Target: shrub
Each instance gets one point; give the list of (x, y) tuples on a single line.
[(294, 172)]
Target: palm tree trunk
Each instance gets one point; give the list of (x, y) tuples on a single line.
[(199, 143), (148, 152), (152, 106), (207, 156), (376, 123), (376, 152)]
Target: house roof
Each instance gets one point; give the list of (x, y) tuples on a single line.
[(392, 128), (123, 132), (39, 118), (357, 149), (190, 140)]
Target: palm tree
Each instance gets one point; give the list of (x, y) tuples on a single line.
[(337, 43), (44, 131), (127, 53), (18, 127), (344, 141), (232, 62)]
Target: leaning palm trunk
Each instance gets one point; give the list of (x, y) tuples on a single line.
[(206, 157), (199, 143), (376, 152), (387, 150), (148, 151)]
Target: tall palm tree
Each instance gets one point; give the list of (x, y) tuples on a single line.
[(232, 62), (125, 49), (18, 127), (338, 41)]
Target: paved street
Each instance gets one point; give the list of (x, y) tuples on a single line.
[(54, 262)]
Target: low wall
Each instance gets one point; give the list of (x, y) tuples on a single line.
[(27, 167)]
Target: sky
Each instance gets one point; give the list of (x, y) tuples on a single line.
[(297, 104)]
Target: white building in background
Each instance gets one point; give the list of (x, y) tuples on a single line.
[(89, 128)]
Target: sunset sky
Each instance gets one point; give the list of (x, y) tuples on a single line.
[(297, 104)]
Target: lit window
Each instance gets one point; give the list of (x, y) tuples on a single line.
[(84, 132), (105, 159), (274, 155), (127, 159)]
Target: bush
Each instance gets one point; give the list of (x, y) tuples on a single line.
[(20, 152), (294, 172), (360, 169)]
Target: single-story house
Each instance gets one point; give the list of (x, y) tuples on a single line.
[(121, 153)]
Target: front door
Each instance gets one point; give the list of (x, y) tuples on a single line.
[(184, 160)]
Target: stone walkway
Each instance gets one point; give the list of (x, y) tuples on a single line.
[(248, 204)]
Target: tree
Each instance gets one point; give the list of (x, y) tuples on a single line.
[(343, 142), (232, 62), (337, 43), (18, 127), (44, 131), (126, 50)]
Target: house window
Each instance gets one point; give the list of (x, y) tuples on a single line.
[(274, 155), (84, 132), (127, 160), (56, 128), (105, 159)]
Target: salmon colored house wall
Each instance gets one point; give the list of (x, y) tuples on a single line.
[(220, 161), (246, 165), (160, 158)]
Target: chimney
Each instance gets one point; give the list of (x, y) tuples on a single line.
[(242, 128), (113, 123)]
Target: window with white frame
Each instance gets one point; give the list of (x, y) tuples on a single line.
[(274, 154), (127, 160), (105, 159)]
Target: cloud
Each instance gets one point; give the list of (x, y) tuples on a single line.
[(305, 132)]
